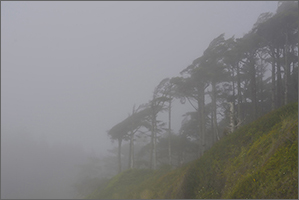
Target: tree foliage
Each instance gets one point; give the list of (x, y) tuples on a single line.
[(234, 81)]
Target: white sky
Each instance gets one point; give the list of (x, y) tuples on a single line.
[(72, 70)]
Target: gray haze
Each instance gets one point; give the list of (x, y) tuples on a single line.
[(72, 70)]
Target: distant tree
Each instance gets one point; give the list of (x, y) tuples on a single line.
[(279, 33), (232, 58), (212, 60), (167, 89), (249, 45), (137, 120), (119, 133), (156, 105), (126, 129), (193, 88)]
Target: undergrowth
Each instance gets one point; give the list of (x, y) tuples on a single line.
[(259, 160)]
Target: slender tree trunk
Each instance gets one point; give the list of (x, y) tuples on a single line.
[(132, 156), (201, 107), (201, 139), (169, 133), (233, 84), (286, 72), (215, 126), (232, 120), (119, 155), (153, 139), (201, 119), (273, 88), (152, 148), (212, 128), (253, 86), (155, 145), (232, 110), (239, 93), (278, 86), (260, 87), (131, 153)]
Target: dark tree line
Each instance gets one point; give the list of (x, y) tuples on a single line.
[(235, 81)]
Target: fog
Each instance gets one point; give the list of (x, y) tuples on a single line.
[(70, 71)]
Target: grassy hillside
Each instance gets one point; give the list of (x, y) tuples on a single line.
[(259, 160)]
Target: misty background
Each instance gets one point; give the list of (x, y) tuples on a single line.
[(70, 71)]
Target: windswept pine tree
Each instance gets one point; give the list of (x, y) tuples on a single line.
[(234, 82)]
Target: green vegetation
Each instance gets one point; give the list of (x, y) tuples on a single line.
[(259, 160)]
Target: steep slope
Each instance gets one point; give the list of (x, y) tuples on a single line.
[(259, 160)]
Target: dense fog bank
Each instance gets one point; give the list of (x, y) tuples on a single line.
[(32, 169)]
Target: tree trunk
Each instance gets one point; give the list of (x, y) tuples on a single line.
[(153, 136), (201, 139), (273, 88), (233, 84), (212, 127), (214, 108), (152, 148), (260, 88), (119, 155), (131, 153), (239, 93), (232, 118), (286, 72), (232, 109), (278, 86), (169, 133), (153, 139), (201, 107), (155, 144), (253, 86)]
